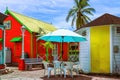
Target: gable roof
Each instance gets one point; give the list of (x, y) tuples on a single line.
[(2, 17), (31, 24), (105, 19)]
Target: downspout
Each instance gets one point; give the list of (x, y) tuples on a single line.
[(111, 50), (31, 42), (37, 49), (4, 45)]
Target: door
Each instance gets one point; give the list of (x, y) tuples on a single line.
[(100, 49), (8, 55), (17, 51)]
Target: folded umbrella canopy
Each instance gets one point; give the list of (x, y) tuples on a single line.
[(62, 35)]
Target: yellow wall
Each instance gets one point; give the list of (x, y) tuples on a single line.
[(100, 49)]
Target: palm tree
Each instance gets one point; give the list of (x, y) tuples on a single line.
[(79, 13), (48, 45)]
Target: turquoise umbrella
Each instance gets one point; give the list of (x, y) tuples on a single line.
[(62, 35)]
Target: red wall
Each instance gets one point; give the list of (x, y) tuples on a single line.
[(42, 51), (34, 45), (65, 51), (27, 43), (30, 43), (16, 47)]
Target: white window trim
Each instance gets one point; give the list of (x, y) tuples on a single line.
[(117, 34)]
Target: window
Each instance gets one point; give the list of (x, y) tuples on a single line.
[(73, 52), (84, 33), (7, 24), (118, 30)]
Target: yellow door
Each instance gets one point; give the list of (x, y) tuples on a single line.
[(100, 49)]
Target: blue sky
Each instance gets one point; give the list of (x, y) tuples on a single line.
[(55, 11)]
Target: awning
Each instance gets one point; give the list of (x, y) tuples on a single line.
[(16, 39), (1, 39)]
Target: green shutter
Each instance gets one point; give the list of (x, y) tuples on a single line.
[(1, 39)]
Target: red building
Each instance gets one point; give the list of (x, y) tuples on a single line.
[(2, 56), (32, 47), (33, 27)]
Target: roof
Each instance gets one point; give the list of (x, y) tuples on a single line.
[(105, 19), (2, 17), (31, 24)]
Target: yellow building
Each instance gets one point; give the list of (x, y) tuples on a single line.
[(101, 52)]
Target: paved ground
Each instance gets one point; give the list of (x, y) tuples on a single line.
[(38, 75), (22, 75)]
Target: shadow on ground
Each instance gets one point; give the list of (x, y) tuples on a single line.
[(58, 77)]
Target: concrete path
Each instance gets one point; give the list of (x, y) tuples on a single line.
[(34, 75)]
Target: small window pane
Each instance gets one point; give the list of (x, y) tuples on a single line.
[(84, 33), (7, 24), (118, 30)]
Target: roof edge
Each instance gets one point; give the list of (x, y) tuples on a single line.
[(8, 12)]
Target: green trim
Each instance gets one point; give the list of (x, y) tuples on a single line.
[(16, 39), (7, 11), (1, 39), (20, 22), (31, 24)]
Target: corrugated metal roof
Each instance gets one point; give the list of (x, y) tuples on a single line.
[(105, 19), (33, 25)]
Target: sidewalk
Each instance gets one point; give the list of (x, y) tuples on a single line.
[(39, 75), (22, 75), (22, 79)]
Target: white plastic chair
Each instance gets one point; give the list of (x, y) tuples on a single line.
[(76, 67), (57, 67), (47, 68), (67, 66)]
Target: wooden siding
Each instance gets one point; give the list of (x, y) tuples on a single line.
[(84, 55), (116, 56)]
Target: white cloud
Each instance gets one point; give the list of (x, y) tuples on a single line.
[(106, 6), (60, 22), (57, 9)]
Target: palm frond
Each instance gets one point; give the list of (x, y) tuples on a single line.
[(79, 13), (88, 10), (73, 20), (86, 19), (84, 3), (76, 3), (70, 14)]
